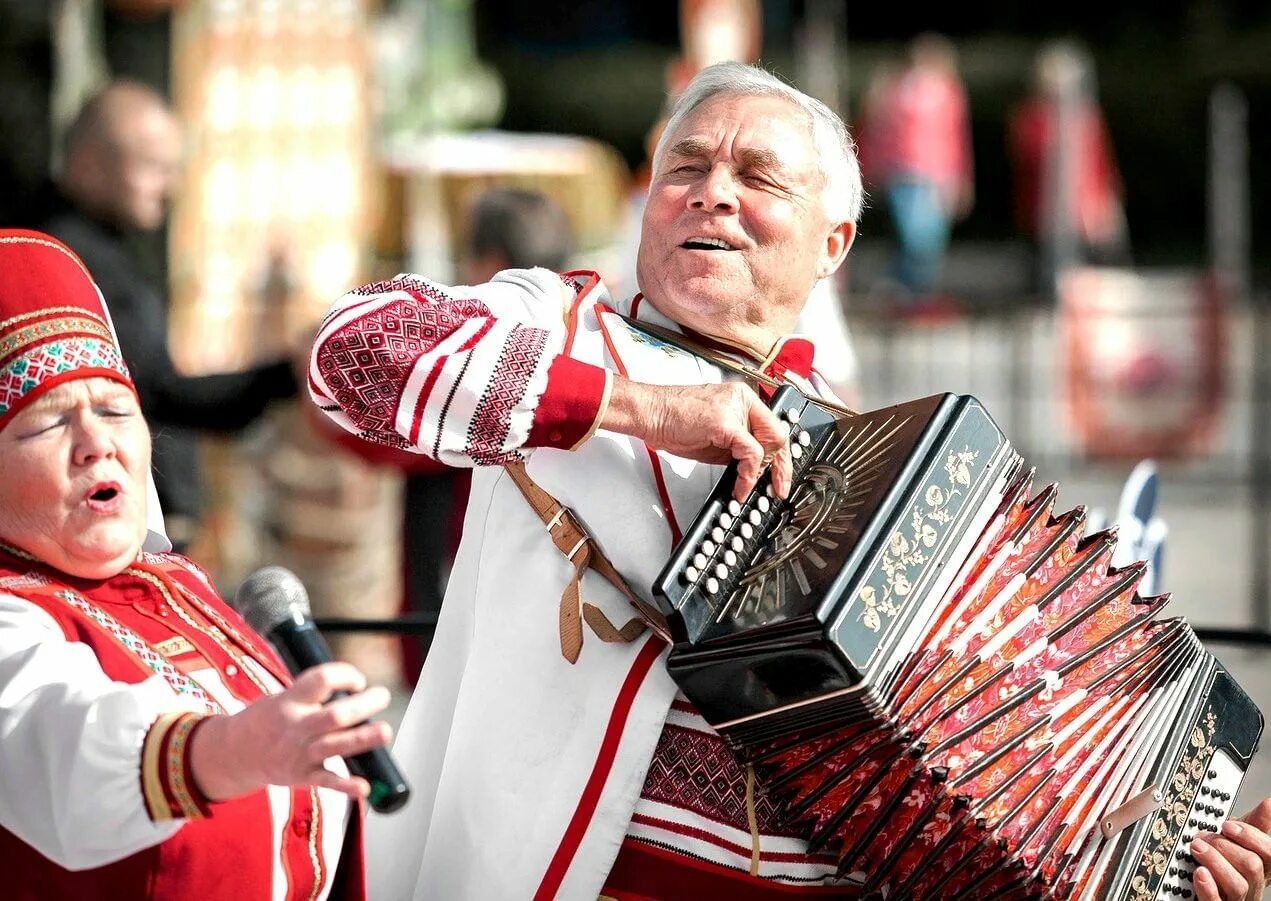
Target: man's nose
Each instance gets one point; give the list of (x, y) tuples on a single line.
[(716, 191)]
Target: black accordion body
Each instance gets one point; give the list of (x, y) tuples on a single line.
[(943, 680)]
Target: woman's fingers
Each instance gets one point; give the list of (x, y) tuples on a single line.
[(349, 742), (347, 711), (353, 786), (318, 683)]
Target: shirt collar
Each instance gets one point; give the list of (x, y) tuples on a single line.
[(791, 354)]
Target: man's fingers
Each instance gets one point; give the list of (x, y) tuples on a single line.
[(782, 473), (1260, 816), (1231, 881), (1206, 888), (1256, 840), (750, 463)]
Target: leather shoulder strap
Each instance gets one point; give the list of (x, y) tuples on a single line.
[(580, 549)]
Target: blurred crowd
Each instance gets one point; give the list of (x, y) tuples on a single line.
[(100, 172)]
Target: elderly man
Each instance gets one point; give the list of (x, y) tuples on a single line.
[(546, 763)]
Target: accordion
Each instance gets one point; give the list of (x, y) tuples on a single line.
[(943, 680)]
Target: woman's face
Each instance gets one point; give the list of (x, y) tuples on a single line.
[(73, 468)]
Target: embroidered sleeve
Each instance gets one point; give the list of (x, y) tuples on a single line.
[(167, 785), (468, 376)]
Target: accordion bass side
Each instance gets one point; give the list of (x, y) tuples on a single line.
[(941, 679)]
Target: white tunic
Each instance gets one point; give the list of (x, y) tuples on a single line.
[(526, 769)]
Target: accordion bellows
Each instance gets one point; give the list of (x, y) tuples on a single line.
[(943, 680)]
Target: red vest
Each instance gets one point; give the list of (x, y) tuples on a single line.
[(228, 855)]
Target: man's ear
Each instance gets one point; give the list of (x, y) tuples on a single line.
[(837, 243)]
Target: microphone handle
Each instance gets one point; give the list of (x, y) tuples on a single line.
[(302, 646)]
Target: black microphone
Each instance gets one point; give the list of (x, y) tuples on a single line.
[(274, 603)]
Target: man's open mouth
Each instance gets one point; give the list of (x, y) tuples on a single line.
[(707, 244)]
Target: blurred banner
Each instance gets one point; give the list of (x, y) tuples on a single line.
[(272, 222), (272, 216), (1142, 361)]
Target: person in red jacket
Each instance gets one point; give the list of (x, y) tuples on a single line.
[(1068, 193), (916, 148), (153, 745)]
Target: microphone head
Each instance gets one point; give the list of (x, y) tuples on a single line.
[(271, 596)]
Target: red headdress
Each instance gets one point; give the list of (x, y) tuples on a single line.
[(53, 322)]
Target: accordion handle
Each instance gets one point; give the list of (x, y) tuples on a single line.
[(1145, 802)]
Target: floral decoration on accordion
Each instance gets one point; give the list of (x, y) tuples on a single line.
[(907, 548), (1172, 817)]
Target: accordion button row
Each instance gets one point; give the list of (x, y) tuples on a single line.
[(1209, 808), (739, 524)]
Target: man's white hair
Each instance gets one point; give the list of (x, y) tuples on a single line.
[(834, 147)]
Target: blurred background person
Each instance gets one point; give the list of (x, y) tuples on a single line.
[(916, 149), (151, 747), (1068, 192), (122, 154)]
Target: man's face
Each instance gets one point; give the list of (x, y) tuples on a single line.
[(73, 470), (735, 232), (146, 157)]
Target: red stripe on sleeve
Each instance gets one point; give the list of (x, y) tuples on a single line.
[(569, 406)]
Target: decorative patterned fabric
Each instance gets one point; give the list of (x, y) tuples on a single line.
[(694, 804), (409, 364), (181, 683), (53, 325)]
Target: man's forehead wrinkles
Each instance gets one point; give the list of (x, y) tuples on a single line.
[(750, 156)]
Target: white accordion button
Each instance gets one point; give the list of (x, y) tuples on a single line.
[(712, 585), (796, 451), (699, 560), (733, 507), (763, 504), (691, 573), (717, 534), (721, 570), (792, 414), (737, 543), (747, 531), (755, 517), (725, 520), (730, 558), (805, 439), (708, 547)]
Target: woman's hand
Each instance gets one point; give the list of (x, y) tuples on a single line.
[(283, 739), (1234, 865)]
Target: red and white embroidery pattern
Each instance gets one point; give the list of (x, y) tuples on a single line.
[(694, 803), (406, 364)]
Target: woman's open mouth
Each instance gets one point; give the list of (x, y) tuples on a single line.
[(104, 497)]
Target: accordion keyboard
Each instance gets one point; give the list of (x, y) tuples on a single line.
[(1209, 808)]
